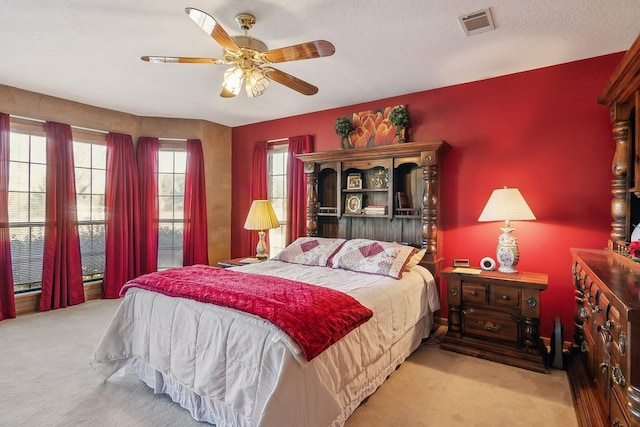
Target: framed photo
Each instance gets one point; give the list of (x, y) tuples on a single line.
[(354, 181), (353, 204)]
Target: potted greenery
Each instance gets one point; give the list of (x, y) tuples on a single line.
[(344, 127), (399, 117)]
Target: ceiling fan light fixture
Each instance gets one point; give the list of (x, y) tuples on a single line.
[(232, 81), (256, 82)]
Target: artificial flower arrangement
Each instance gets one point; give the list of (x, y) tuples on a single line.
[(344, 127), (633, 250), (399, 117)]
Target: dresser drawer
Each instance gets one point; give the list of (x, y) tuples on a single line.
[(474, 293), (505, 297), (490, 324)]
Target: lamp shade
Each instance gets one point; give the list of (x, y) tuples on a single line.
[(506, 204), (261, 216)]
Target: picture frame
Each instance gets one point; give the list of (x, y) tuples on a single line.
[(354, 181), (353, 204)]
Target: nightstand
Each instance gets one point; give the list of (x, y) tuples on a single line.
[(237, 262), (496, 316)]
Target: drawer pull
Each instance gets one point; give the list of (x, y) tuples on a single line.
[(474, 293), (490, 326), (505, 297), (531, 302), (617, 377), (454, 291), (622, 343)]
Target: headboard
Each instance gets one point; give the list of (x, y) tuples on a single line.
[(389, 193)]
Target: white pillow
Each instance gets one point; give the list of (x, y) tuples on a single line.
[(310, 251), (373, 256)]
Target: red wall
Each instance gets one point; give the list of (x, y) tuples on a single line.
[(541, 131)]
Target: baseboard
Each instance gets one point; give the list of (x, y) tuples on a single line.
[(30, 301)]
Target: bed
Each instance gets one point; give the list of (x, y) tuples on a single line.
[(232, 368)]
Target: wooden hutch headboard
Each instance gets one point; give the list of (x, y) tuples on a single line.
[(389, 193)]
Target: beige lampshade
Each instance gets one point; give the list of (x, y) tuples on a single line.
[(506, 204), (261, 216)]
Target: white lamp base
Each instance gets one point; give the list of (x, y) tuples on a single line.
[(507, 253), (261, 247)]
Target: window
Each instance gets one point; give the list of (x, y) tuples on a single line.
[(27, 186), (90, 161), (172, 164), (277, 190)]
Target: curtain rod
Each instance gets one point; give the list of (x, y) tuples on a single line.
[(89, 129)]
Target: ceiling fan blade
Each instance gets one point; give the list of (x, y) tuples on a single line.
[(182, 60), (307, 50), (290, 81), (211, 27)]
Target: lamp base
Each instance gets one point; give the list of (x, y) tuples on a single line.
[(261, 247), (507, 253)]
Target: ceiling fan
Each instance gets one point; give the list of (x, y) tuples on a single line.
[(250, 59)]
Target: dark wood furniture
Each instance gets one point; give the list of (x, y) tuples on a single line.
[(605, 367), (411, 168), (496, 316), (607, 330)]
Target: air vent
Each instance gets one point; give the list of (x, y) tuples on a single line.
[(477, 22)]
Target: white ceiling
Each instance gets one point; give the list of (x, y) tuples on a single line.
[(89, 50)]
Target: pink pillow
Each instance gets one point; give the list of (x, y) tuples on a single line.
[(310, 251), (372, 256)]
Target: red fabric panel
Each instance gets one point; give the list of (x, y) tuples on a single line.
[(195, 241), (258, 187), (7, 301), (61, 266), (147, 162), (297, 188), (122, 245), (314, 316)]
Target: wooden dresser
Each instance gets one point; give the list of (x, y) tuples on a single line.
[(605, 371), (607, 331), (496, 316)]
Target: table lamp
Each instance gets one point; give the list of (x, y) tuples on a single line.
[(507, 204), (261, 217)]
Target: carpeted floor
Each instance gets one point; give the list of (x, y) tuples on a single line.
[(46, 380)]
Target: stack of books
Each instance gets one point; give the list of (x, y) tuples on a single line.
[(375, 210)]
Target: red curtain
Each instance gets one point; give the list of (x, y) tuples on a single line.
[(61, 265), (258, 187), (7, 301), (147, 161), (195, 244), (297, 188), (122, 246)]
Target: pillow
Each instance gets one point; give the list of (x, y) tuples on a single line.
[(372, 256), (415, 259), (310, 251)]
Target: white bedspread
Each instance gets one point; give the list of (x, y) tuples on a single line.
[(233, 369)]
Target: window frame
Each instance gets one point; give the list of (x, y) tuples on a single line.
[(93, 138), (31, 129), (278, 235), (178, 247)]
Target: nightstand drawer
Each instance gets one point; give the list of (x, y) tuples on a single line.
[(490, 324), (475, 293), (505, 297)]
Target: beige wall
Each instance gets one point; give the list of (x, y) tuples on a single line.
[(216, 146)]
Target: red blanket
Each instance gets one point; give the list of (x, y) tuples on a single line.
[(314, 316)]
